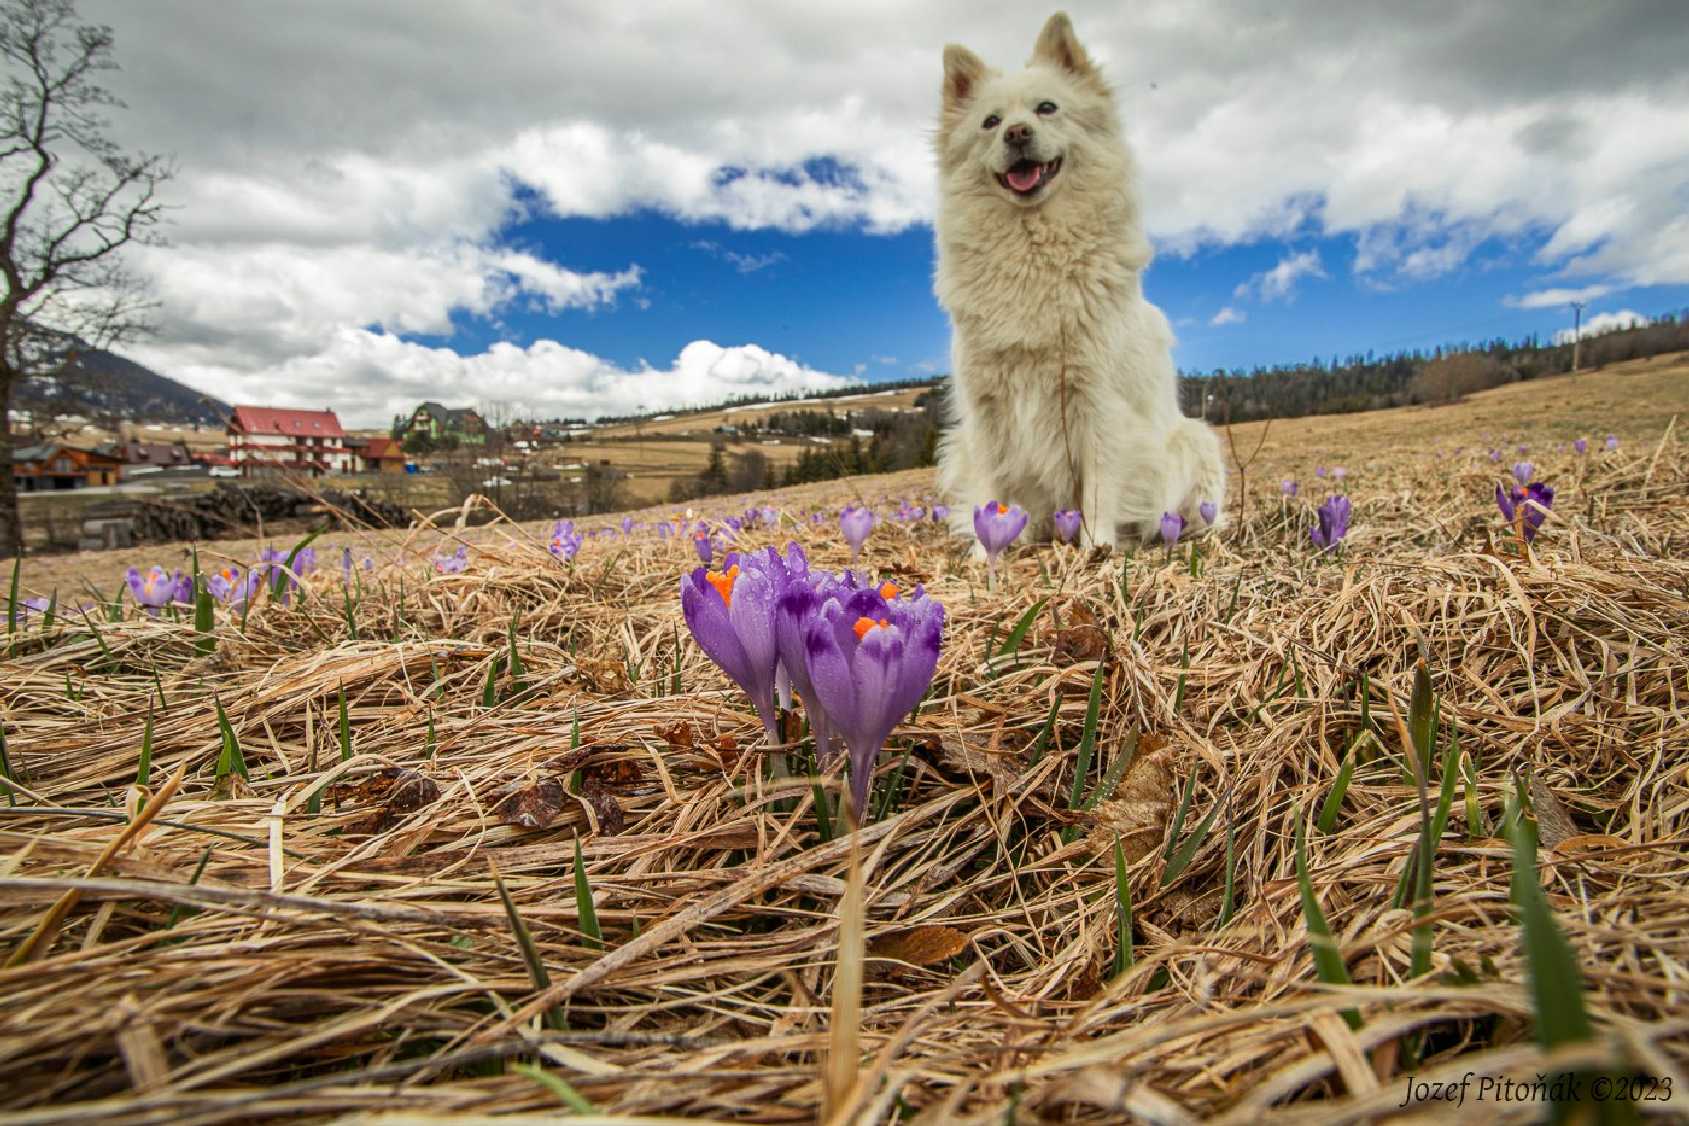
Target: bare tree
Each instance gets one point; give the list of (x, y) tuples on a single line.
[(70, 201)]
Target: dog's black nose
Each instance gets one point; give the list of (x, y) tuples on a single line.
[(1018, 134)]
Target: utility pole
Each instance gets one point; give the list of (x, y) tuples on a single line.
[(1577, 333)]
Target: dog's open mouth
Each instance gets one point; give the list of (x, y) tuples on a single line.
[(1027, 177)]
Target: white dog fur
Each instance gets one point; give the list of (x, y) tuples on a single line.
[(1064, 393)]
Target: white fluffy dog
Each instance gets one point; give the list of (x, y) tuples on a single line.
[(1063, 390)]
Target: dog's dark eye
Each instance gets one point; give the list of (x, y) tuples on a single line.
[(993, 121), (1045, 109)]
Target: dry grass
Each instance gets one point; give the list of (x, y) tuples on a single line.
[(359, 961)]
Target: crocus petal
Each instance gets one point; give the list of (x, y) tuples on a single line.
[(706, 616)]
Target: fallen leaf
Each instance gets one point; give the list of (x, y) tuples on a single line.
[(678, 736), (611, 820), (922, 946), (391, 792), (530, 804), (1554, 824), (1079, 643)]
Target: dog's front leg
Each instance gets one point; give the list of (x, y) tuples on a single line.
[(1098, 488)]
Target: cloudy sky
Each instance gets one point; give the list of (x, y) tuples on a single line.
[(583, 208)]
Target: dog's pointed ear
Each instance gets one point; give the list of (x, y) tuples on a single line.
[(963, 72), (1057, 46)]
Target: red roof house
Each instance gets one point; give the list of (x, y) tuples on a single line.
[(273, 441)]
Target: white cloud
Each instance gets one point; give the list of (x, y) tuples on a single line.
[(371, 376), (1602, 322), (1549, 298), (1279, 282), (1228, 316)]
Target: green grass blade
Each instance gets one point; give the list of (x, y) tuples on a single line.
[(1557, 990), (1333, 803), (143, 772), (1179, 817), (489, 689), (1123, 913), (525, 942), (231, 761), (1087, 741), (1328, 959), (892, 790), (557, 1085), (429, 741), (1228, 898), (205, 621), (1012, 643), (1036, 751), (823, 812), (1184, 670), (1116, 770), (1187, 852), (583, 902)]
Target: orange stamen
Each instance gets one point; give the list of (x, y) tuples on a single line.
[(1000, 509), (888, 591), (863, 625), (723, 582)]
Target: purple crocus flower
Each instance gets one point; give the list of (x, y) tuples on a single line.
[(1525, 508), (997, 527), (1523, 472), (27, 607), (228, 586), (157, 588), (1495, 455), (627, 525), (731, 615), (1289, 488), (1339, 472), (1067, 524), (1172, 526), (870, 659), (856, 521), (940, 513), (565, 541), (1581, 445), (454, 563), (1523, 449), (1209, 511), (369, 563), (1319, 471), (704, 546), (1333, 522), (346, 566), (1612, 441), (770, 515)]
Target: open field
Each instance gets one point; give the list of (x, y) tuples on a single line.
[(326, 940), (704, 422)]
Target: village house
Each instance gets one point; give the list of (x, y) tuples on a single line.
[(54, 466), (273, 441), (438, 421), (378, 455), (146, 456)]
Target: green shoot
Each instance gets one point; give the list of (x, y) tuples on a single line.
[(1328, 958), (1123, 913), (583, 903)]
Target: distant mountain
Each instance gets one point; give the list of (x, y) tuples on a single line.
[(102, 385)]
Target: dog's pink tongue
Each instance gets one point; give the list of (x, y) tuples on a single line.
[(1026, 179)]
